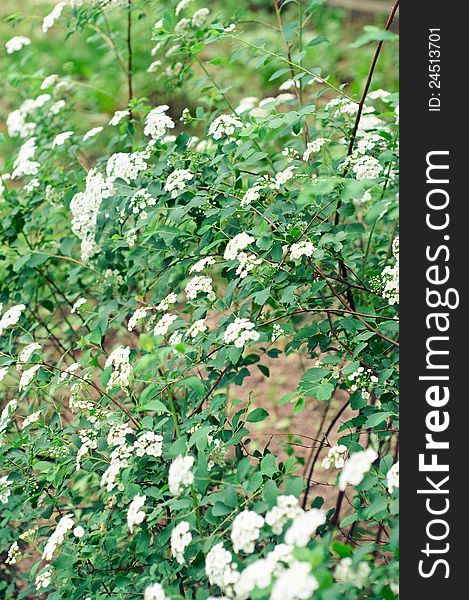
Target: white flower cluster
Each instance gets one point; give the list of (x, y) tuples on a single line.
[(52, 17), (245, 531), (117, 435), (180, 474), (6, 414), (85, 208), (196, 328), (11, 316), (303, 248), (163, 325), (92, 133), (135, 515), (5, 488), (224, 126), (362, 379), (314, 147), (30, 419), (392, 478), (118, 116), (27, 376), (390, 277), (158, 122), (43, 579), (181, 537), (199, 284), (199, 18), (58, 536), (286, 509), (126, 165), (282, 177), (167, 302), (16, 43), (14, 554), (335, 456), (61, 138), (155, 591), (140, 201), (247, 262), (150, 444), (24, 165), (356, 467), (295, 583), (88, 439), (176, 181), (220, 569), (251, 195), (77, 304), (367, 142), (342, 106), (346, 573), (122, 369), (17, 125), (239, 332), (201, 264), (366, 167), (138, 316), (235, 245), (304, 526)]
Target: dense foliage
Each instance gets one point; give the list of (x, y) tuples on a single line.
[(150, 261)]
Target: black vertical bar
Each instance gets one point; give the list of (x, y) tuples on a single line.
[(433, 263)]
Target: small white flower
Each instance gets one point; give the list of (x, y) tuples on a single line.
[(30, 419), (155, 591), (163, 325), (201, 264), (138, 316), (303, 248), (52, 17), (245, 531), (314, 147), (49, 81), (345, 573), (135, 515), (92, 132), (61, 138), (176, 181), (119, 116), (181, 6), (286, 509), (196, 328), (58, 536), (296, 583), (77, 304), (181, 537), (199, 284), (28, 376), (224, 126), (180, 474), (157, 123), (199, 18), (239, 332), (335, 456), (78, 532), (16, 43), (304, 527), (356, 467), (238, 243), (392, 478)]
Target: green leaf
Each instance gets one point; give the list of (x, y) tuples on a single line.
[(257, 415)]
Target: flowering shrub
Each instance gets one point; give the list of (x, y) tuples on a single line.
[(141, 284)]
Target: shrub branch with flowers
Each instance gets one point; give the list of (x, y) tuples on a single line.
[(150, 259)]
